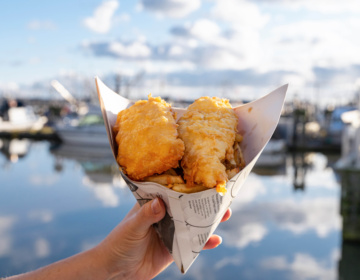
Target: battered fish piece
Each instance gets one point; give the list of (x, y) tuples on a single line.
[(147, 138), (208, 129)]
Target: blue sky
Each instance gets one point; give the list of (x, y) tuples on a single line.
[(182, 48)]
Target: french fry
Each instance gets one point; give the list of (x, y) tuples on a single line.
[(184, 189), (231, 173), (238, 137), (243, 163), (164, 179), (239, 158)]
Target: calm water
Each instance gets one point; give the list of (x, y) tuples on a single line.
[(286, 221)]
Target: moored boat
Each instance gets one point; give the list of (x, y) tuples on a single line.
[(21, 119), (89, 130)]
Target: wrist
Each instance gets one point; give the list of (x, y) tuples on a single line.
[(102, 261), (108, 262)]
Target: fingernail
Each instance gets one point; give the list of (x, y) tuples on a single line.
[(155, 206)]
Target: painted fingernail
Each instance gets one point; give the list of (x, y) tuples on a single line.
[(155, 206)]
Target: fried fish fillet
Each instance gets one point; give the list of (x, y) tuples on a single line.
[(208, 129), (147, 138)]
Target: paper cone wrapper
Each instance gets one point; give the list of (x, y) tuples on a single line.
[(192, 218)]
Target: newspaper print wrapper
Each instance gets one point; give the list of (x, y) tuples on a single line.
[(192, 218)]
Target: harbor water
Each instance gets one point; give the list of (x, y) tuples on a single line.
[(294, 218)]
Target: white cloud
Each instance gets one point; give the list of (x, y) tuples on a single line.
[(250, 233), (302, 45), (233, 260), (204, 44), (9, 87), (205, 30), (310, 215), (162, 67), (335, 255), (239, 36), (302, 267), (102, 19), (249, 220), (324, 6), (277, 262), (325, 178), (41, 24), (43, 180), (261, 37), (103, 192), (176, 50), (124, 17), (107, 196), (234, 45), (171, 8), (44, 216), (239, 13), (42, 247), (6, 239), (219, 59), (133, 50), (253, 188), (324, 39)]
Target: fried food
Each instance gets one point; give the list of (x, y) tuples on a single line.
[(208, 129), (147, 138), (165, 179), (172, 180), (183, 188)]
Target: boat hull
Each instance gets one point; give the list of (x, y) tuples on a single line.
[(89, 136)]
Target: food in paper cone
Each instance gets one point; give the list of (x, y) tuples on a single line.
[(205, 140), (192, 218)]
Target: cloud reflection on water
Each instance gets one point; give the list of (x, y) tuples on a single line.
[(6, 223), (260, 206), (275, 231), (42, 247), (302, 267)]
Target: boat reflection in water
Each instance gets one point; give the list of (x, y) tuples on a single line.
[(272, 161), (14, 149), (350, 211), (101, 173), (60, 200)]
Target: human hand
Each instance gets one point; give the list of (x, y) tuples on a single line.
[(133, 250)]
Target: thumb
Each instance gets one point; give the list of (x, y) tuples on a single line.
[(150, 213)]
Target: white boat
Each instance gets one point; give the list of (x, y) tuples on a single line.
[(22, 119), (89, 130), (350, 142), (86, 130)]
